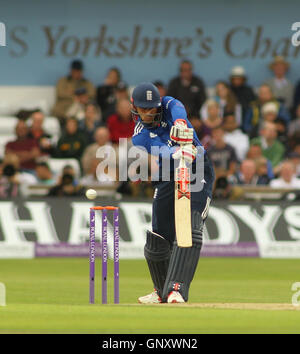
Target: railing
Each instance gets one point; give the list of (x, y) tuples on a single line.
[(241, 192)]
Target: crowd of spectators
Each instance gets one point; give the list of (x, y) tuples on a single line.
[(252, 135)]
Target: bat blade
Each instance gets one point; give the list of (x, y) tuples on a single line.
[(183, 207)]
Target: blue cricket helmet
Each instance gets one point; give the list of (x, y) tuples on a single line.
[(146, 95)]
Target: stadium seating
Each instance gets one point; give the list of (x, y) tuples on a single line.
[(7, 130), (14, 98), (52, 127), (7, 125), (4, 139)]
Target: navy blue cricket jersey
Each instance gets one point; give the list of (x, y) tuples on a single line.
[(172, 109)]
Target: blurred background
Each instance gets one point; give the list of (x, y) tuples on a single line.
[(68, 69)]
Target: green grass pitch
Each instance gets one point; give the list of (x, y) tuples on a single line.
[(227, 296)]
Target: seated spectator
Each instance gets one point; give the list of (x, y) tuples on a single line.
[(120, 93), (37, 132), (72, 143), (106, 93), (238, 85), (227, 102), (66, 187), (222, 187), (77, 108), (255, 153), (101, 140), (272, 149), (205, 126), (247, 174), (66, 87), (235, 137), (281, 87), (90, 122), (294, 157), (96, 178), (161, 88), (24, 114), (27, 149), (44, 174), (68, 170), (121, 124), (221, 154), (287, 177), (212, 118), (270, 114), (252, 173), (12, 179), (262, 171), (253, 116), (188, 88), (294, 126)]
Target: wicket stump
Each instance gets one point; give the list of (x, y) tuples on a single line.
[(104, 253)]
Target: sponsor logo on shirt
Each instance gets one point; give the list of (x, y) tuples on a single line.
[(138, 128)]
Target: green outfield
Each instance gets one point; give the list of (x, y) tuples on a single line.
[(227, 296)]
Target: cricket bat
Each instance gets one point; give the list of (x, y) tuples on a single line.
[(183, 205)]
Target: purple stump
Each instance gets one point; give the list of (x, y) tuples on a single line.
[(92, 256), (104, 256), (116, 257)]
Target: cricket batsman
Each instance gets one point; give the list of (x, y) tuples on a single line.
[(162, 122)]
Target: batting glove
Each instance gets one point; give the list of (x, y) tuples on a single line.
[(180, 133), (188, 152)]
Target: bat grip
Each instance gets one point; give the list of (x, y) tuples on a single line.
[(182, 161)]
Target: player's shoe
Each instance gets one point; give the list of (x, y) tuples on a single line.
[(175, 298), (152, 298)]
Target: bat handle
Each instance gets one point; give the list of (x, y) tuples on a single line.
[(182, 163)]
